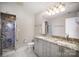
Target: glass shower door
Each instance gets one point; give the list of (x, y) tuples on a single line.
[(8, 32)]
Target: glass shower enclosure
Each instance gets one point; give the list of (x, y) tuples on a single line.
[(7, 30)]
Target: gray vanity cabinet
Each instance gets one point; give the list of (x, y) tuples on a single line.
[(44, 48)]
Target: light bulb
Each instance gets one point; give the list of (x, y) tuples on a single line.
[(60, 6), (62, 9), (48, 13), (53, 13), (57, 11)]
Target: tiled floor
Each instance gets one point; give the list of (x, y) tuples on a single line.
[(21, 52)]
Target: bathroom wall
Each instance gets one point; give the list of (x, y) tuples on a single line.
[(24, 22)]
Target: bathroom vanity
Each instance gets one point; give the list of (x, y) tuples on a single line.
[(55, 46)]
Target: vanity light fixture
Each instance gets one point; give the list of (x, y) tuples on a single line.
[(56, 9)]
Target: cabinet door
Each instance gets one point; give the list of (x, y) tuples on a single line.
[(45, 49), (40, 48), (48, 45), (55, 50), (69, 52)]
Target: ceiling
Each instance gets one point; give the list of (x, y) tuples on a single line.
[(38, 7)]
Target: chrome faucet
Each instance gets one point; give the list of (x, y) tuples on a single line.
[(67, 36)]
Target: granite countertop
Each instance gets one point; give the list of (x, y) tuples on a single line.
[(71, 43)]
